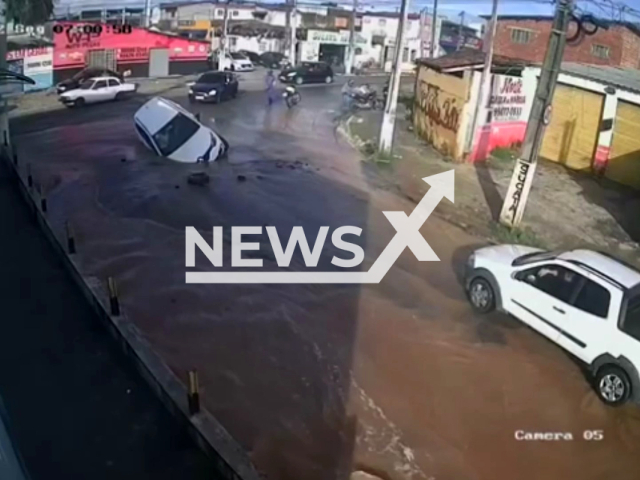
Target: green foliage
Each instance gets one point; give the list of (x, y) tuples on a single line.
[(505, 154), (520, 236), (29, 12)]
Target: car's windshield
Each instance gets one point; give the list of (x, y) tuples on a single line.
[(238, 56), (175, 133), (211, 78), (86, 85)]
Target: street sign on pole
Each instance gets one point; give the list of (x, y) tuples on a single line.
[(522, 178)]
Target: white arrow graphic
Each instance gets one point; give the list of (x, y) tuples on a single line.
[(407, 235)]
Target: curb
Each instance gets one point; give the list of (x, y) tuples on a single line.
[(230, 460)]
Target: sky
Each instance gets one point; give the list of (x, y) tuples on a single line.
[(451, 8)]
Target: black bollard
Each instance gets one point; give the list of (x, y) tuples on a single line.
[(113, 298), (29, 177), (43, 205), (193, 395), (71, 242), (15, 154)]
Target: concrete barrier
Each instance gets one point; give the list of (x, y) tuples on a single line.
[(231, 461)]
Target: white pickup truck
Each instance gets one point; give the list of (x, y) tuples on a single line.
[(98, 89)]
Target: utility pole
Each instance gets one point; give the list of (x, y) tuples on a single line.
[(222, 56), (147, 13), (389, 117), (524, 171), (460, 27), (293, 40), (4, 112), (434, 27), (485, 79), (352, 40)]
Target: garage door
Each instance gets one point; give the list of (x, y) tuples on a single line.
[(624, 159), (570, 138), (158, 62)]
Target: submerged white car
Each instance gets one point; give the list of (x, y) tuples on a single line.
[(171, 131), (586, 302)]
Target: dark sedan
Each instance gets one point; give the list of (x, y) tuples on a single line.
[(253, 56), (273, 60), (307, 72), (84, 75), (214, 87)]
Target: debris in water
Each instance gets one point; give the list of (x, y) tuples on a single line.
[(199, 178), (241, 178), (259, 177), (123, 159)]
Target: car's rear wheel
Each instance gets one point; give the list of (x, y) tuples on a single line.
[(120, 96), (482, 295), (299, 80), (225, 146), (613, 385), (328, 79), (79, 102)]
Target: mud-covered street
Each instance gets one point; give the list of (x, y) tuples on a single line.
[(315, 381)]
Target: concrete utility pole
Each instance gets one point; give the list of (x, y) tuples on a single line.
[(485, 79), (524, 171), (434, 26), (389, 117), (352, 40), (293, 40), (222, 56), (4, 112), (147, 13), (460, 27)]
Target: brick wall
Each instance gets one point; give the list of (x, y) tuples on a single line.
[(623, 45), (630, 50)]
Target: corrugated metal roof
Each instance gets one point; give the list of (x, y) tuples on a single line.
[(469, 58), (625, 78)]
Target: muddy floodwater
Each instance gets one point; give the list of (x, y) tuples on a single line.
[(314, 381)]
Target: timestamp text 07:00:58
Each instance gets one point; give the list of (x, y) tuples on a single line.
[(94, 29)]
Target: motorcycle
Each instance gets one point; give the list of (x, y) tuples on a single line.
[(366, 98), (291, 96)]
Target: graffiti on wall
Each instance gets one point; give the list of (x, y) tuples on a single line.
[(508, 99), (441, 110), (438, 110)]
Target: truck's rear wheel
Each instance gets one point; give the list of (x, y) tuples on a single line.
[(481, 295), (613, 385)]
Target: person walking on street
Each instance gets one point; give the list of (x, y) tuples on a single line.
[(347, 93), (270, 82)]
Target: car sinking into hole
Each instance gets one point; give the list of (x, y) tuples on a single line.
[(170, 131)]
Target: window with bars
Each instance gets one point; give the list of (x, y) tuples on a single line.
[(600, 51), (519, 35)]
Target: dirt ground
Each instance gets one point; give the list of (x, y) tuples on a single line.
[(399, 378), (566, 209)]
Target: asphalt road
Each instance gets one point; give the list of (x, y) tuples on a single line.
[(77, 408), (315, 380)]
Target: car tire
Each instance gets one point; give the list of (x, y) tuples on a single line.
[(119, 96), (299, 80), (613, 385), (225, 145), (79, 102), (328, 79), (481, 295)]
